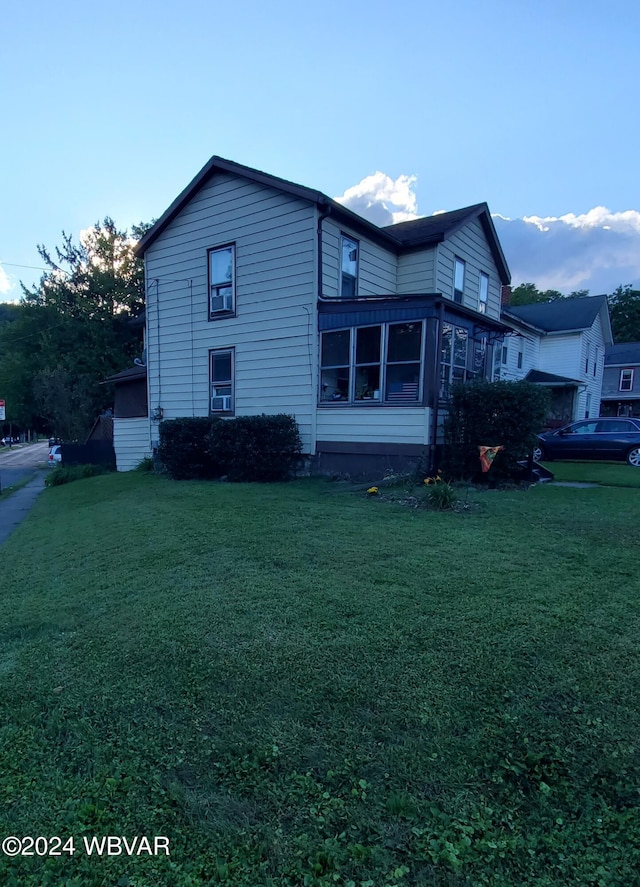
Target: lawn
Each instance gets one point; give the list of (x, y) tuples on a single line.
[(615, 474), (299, 685)]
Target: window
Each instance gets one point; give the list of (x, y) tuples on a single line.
[(458, 280), (584, 428), (497, 360), (626, 380), (587, 409), (520, 352), (586, 360), (372, 364), (595, 361), (221, 374), (480, 358), (453, 366), (484, 293), (221, 281), (404, 348), (349, 267), (505, 354), (335, 360), (368, 363)]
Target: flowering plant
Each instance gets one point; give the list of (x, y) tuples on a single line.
[(372, 491)]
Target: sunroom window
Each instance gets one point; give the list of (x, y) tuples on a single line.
[(404, 347), (335, 376), (453, 367)]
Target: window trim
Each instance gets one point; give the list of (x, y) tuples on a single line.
[(520, 354), (224, 312), (631, 374), (231, 383), (351, 400), (344, 237)]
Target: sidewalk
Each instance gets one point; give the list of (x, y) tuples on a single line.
[(14, 508)]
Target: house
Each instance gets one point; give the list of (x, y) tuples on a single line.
[(264, 296), (621, 383), (560, 345), (131, 429)]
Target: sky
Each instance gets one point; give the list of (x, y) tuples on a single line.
[(400, 110)]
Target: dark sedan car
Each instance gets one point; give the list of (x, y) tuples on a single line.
[(592, 439)]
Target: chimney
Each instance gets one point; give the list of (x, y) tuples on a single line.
[(505, 296)]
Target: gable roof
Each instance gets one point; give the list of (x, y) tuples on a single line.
[(425, 231), (622, 353), (561, 315)]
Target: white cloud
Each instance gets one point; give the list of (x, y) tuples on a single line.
[(5, 283), (382, 200), (598, 250)]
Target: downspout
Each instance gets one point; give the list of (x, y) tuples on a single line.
[(435, 392), (324, 210)]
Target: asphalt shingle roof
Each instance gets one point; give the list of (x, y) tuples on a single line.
[(561, 314), (623, 352), (435, 227)]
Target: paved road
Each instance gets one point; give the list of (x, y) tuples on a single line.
[(15, 464), (18, 462)]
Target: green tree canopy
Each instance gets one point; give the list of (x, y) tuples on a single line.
[(72, 331), (624, 308)]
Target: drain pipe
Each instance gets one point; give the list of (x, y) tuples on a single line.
[(324, 210)]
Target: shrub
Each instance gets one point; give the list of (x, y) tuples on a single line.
[(183, 448), (145, 464), (440, 494), (508, 414), (66, 474), (256, 448)]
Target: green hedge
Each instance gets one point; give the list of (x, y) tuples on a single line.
[(249, 448), (256, 448), (183, 449), (508, 414)]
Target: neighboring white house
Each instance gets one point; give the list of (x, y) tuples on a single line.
[(264, 296), (560, 345)]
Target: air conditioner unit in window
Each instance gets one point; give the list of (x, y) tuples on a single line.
[(221, 302), (221, 404)]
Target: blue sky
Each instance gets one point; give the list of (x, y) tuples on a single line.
[(529, 105)]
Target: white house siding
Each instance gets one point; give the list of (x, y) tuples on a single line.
[(391, 425), (131, 442), (417, 272), (276, 285), (510, 371), (469, 244), (377, 270), (593, 344)]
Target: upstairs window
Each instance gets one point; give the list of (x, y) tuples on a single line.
[(221, 281), (459, 269), (626, 380), (596, 357), (586, 359), (221, 378), (483, 296), (350, 250), (520, 353)]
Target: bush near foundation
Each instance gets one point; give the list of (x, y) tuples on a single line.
[(256, 448), (508, 414), (183, 449)]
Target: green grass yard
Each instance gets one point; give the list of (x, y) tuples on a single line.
[(615, 474), (302, 686)]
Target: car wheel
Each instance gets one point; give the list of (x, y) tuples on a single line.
[(633, 457), (539, 454)]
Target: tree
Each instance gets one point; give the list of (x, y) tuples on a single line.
[(72, 331), (529, 294), (624, 309)]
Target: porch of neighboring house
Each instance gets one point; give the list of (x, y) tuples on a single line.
[(564, 393)]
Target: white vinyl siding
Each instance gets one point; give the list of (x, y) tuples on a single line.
[(377, 271), (417, 272), (275, 288), (471, 246), (131, 442), (407, 425)]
